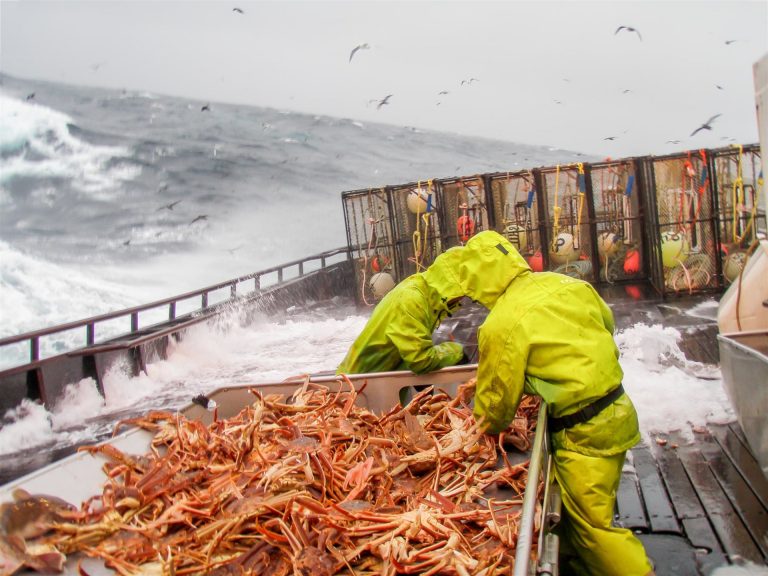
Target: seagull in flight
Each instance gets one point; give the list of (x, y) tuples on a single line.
[(443, 92), (30, 96), (384, 100), (707, 125), (198, 218), (238, 10), (610, 138), (729, 42), (673, 141), (356, 48), (205, 108), (629, 29), (169, 206), (469, 82)]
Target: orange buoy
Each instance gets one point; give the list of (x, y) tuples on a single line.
[(632, 262), (536, 262), (466, 227), (379, 263)]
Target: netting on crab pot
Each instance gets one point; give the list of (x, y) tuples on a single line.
[(568, 235), (464, 209), (739, 191), (417, 226), (685, 224), (618, 221), (515, 212), (370, 239)]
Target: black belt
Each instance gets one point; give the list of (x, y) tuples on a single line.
[(586, 413)]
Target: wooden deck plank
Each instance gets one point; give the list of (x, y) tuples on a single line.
[(629, 506), (739, 433), (685, 501), (658, 507), (740, 494), (743, 459), (731, 531)]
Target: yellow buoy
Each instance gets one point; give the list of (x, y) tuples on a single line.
[(674, 248), (517, 236), (381, 283), (563, 250), (733, 265)]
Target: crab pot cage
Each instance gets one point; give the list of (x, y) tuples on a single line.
[(568, 239), (370, 237), (515, 212), (417, 226), (738, 189), (681, 229), (464, 209), (618, 229)]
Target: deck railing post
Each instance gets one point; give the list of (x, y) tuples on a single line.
[(204, 302), (280, 276), (172, 311), (233, 290), (322, 262), (135, 322), (90, 334), (257, 283), (34, 349), (301, 269)]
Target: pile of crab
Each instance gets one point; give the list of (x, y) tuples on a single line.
[(311, 484)]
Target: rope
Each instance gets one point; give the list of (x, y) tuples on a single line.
[(582, 189), (373, 243), (556, 209), (419, 243), (755, 243), (738, 199)]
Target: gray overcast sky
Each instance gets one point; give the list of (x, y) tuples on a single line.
[(549, 73)]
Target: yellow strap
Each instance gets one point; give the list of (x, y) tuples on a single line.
[(556, 208)]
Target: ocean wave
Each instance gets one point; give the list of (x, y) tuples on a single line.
[(39, 142)]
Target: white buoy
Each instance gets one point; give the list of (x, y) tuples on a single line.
[(417, 201), (563, 250), (517, 236), (381, 283), (607, 243)]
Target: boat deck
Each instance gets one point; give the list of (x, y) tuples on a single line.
[(696, 506)]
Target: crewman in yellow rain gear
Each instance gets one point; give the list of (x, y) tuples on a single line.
[(398, 335), (552, 335)]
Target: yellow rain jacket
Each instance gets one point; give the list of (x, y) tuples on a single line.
[(398, 335), (552, 335)]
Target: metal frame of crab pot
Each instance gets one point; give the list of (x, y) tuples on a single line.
[(601, 221), (418, 226), (615, 189), (514, 210), (369, 219), (735, 175), (681, 228), (567, 234), (463, 208)]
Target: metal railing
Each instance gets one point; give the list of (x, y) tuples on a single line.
[(33, 337)]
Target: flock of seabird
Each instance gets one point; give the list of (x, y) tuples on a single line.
[(385, 101)]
